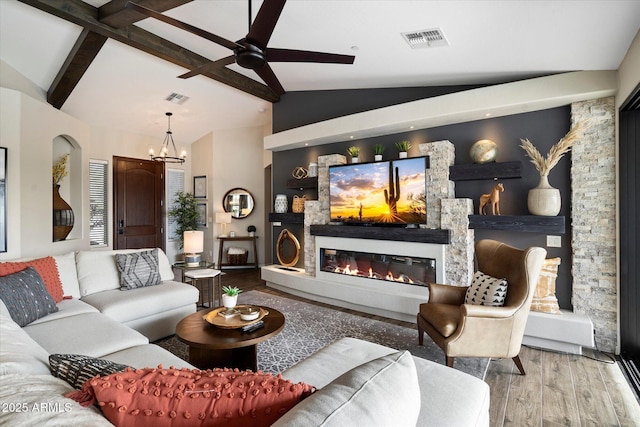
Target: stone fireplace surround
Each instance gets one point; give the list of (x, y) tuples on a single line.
[(593, 240)]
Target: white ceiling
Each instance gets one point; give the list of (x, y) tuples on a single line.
[(490, 41)]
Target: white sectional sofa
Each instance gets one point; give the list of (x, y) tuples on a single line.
[(104, 323)]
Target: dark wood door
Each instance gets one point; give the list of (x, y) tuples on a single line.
[(138, 203)]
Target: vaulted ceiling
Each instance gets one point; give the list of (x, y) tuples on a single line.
[(110, 66)]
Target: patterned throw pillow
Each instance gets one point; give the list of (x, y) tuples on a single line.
[(168, 397), (77, 369), (138, 269), (486, 290), (46, 268), (25, 296)]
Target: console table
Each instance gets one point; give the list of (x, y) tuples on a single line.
[(252, 239)]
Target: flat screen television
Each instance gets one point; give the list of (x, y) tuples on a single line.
[(379, 193)]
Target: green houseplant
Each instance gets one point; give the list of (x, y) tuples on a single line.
[(403, 147), (354, 152), (378, 149), (185, 213), (251, 230), (230, 296)]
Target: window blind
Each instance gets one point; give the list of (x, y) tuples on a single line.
[(98, 203)]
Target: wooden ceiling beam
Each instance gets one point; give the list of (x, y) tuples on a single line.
[(81, 56), (86, 16), (116, 15)]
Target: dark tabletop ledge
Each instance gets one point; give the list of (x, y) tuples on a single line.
[(396, 234)]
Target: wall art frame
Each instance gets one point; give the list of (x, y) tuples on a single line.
[(200, 187), (202, 215)]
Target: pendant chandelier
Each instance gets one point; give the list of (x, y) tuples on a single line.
[(164, 156)]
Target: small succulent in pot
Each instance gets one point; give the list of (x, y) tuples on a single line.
[(378, 149), (231, 291), (403, 146), (353, 151), (251, 230)]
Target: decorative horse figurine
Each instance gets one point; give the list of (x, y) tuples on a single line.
[(493, 198)]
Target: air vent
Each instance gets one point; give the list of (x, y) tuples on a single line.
[(176, 98), (433, 37)]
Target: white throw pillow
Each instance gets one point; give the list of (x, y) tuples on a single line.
[(382, 392), (486, 290), (68, 274)]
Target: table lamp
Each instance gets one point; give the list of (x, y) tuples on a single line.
[(193, 247), (223, 218)]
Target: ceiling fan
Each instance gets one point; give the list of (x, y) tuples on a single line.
[(251, 52)]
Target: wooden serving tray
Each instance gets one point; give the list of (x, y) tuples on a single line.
[(234, 322)]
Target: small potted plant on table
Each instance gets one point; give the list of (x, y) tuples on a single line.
[(251, 230), (230, 296)]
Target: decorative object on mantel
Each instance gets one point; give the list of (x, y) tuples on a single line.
[(403, 147), (63, 218), (483, 151), (299, 172), (251, 230), (280, 205), (164, 156), (544, 199), (354, 152), (378, 149), (287, 248), (493, 199), (297, 206), (313, 170)]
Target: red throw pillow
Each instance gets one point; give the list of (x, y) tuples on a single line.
[(171, 397), (46, 268)]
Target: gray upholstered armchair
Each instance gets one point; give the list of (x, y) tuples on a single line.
[(465, 330)]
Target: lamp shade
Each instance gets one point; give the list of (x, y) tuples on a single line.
[(193, 241), (223, 217)]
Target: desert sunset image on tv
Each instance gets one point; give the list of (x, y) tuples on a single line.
[(381, 192)]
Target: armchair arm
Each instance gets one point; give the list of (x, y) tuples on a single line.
[(447, 294), (470, 310)]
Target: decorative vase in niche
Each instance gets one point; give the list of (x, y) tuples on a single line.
[(402, 154), (544, 200), (62, 216), (281, 205)]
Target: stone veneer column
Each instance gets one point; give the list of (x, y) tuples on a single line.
[(593, 206), (459, 254), (441, 155), (318, 212)]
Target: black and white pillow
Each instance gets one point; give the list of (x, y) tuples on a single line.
[(77, 369), (486, 290), (138, 269), (25, 296)]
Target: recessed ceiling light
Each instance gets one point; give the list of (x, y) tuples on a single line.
[(354, 47), (351, 137), (411, 127), (306, 144), (487, 115)]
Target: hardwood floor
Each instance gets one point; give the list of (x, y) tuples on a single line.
[(559, 389)]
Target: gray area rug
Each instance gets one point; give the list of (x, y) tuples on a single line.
[(308, 328)]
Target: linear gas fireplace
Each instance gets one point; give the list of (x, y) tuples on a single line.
[(410, 270)]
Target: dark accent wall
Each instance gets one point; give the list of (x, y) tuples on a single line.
[(543, 128)]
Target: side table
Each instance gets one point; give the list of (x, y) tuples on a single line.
[(238, 239), (204, 273)]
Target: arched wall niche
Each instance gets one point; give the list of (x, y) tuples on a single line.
[(71, 185)]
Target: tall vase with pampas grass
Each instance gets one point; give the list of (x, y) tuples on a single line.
[(545, 200)]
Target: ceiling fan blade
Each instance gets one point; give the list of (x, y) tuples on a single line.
[(209, 66), (183, 25), (266, 19), (268, 76), (292, 55)]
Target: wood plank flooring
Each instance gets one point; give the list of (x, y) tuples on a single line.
[(559, 389)]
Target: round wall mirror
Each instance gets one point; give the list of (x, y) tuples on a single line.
[(238, 202)]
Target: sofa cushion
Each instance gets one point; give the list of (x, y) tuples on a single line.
[(382, 392), (66, 308), (142, 302), (42, 399), (25, 296), (165, 397), (97, 270), (486, 290), (138, 269), (68, 274), (76, 369), (443, 317), (92, 334), (46, 268), (19, 353), (142, 356)]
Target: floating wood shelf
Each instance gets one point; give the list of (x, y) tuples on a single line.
[(469, 172), (420, 235), (289, 218), (523, 223), (309, 182)]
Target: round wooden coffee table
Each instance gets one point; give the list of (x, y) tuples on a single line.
[(213, 347)]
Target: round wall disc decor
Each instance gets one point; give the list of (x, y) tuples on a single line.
[(287, 248)]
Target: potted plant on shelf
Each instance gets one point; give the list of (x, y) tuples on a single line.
[(378, 149), (403, 147), (544, 199), (185, 213), (354, 152), (251, 230), (230, 296)]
